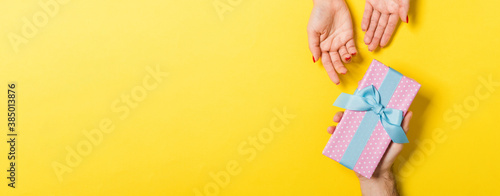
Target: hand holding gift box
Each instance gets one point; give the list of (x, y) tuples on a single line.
[(372, 119)]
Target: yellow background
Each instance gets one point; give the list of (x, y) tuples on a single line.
[(226, 75)]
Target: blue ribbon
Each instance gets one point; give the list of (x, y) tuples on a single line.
[(374, 102)]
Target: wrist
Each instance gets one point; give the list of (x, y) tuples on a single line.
[(381, 183), (327, 2), (377, 176)]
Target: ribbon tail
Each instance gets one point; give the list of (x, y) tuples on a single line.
[(395, 132), (393, 116)]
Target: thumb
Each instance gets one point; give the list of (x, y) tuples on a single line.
[(406, 121), (313, 38), (403, 10), (395, 148)]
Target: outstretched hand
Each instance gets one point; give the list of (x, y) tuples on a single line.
[(330, 36), (380, 20)]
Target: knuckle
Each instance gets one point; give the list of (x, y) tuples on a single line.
[(391, 25), (324, 47), (328, 68), (337, 64)]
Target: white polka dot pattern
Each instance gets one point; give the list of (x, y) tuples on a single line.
[(379, 140)]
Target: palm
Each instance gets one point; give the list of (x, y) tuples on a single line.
[(385, 6), (337, 30), (380, 20), (331, 37)]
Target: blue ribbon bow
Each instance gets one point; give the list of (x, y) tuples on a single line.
[(368, 99)]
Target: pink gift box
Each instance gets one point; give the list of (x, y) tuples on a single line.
[(379, 140)]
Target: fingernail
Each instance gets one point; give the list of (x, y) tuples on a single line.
[(348, 58), (406, 19), (314, 60), (353, 54)]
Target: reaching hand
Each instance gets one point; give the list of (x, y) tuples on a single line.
[(382, 180), (380, 20), (331, 36)]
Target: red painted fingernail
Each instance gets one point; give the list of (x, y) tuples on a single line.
[(314, 60), (348, 58), (353, 54), (406, 19)]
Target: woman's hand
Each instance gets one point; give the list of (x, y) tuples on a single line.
[(382, 181), (380, 20), (331, 36)]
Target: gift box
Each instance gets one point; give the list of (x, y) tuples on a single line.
[(372, 119)]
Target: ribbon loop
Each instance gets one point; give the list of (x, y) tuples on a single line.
[(368, 99)]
